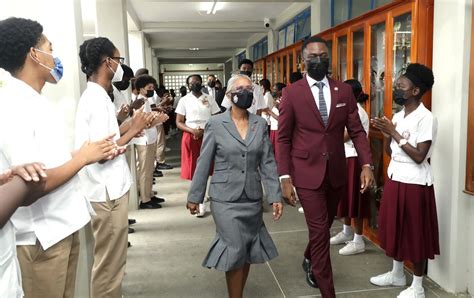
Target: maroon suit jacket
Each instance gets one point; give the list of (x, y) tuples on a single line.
[(307, 151)]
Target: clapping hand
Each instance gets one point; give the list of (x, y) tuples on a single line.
[(386, 127), (32, 172)]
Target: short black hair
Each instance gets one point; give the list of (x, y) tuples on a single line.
[(356, 86), (280, 86), (313, 39), (421, 76), (183, 90), (17, 37), (141, 71), (245, 61), (295, 76), (193, 75), (144, 80), (212, 75), (93, 51), (127, 71), (265, 83)]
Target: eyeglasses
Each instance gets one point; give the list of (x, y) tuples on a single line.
[(120, 59)]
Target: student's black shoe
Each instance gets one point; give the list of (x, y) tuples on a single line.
[(157, 200), (131, 230), (163, 166), (149, 205), (157, 173), (131, 221)]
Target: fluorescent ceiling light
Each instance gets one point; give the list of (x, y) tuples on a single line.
[(212, 7), (194, 49)]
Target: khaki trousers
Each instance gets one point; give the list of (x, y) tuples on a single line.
[(110, 230), (49, 273), (160, 144), (145, 169)]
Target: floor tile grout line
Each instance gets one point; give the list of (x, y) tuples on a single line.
[(276, 280), (355, 291)]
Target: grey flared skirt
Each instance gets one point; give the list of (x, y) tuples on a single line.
[(241, 235)]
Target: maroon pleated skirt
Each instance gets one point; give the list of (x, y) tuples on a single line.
[(190, 150), (273, 140), (354, 204), (408, 222)]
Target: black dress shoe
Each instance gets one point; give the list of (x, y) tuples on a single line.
[(306, 264), (163, 166), (131, 230), (131, 221), (310, 280), (157, 200), (149, 205), (157, 174)]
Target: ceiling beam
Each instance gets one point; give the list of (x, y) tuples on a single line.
[(186, 54), (193, 61), (238, 1), (156, 27)]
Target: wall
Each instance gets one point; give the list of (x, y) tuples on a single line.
[(454, 268)]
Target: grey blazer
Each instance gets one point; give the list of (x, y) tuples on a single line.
[(239, 165)]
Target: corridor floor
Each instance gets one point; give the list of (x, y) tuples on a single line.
[(169, 245)]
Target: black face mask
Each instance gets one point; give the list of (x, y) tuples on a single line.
[(243, 99), (150, 93), (247, 73), (211, 84), (122, 85), (274, 94), (196, 87), (399, 97), (317, 67)]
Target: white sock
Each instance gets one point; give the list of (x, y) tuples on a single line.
[(397, 269), (347, 230), (358, 238), (417, 281)]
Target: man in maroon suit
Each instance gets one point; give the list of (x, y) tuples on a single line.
[(313, 114)]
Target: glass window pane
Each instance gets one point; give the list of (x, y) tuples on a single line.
[(342, 57), (377, 70), (341, 11), (401, 49), (360, 7), (358, 56), (281, 38), (329, 43), (290, 34), (284, 70), (291, 61), (303, 27)]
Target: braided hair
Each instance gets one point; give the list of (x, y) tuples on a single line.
[(17, 37), (93, 51)]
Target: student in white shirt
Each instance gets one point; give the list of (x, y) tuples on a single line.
[(354, 205), (146, 144), (106, 185), (268, 98), (408, 224), (210, 89), (274, 113), (192, 114), (258, 104), (121, 98), (47, 231)]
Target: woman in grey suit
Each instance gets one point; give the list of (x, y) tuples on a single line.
[(238, 144)]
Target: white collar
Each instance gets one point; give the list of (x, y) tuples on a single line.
[(312, 81)]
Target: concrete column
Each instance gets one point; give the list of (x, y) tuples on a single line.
[(320, 16), (62, 24), (136, 45), (111, 22), (454, 268)]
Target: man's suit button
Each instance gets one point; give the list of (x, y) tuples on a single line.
[(243, 155), (243, 172), (326, 134), (324, 154)]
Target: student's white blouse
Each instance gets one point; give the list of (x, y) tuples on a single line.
[(364, 119), (95, 120), (197, 110), (151, 135)]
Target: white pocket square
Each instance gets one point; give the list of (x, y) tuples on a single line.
[(342, 104)]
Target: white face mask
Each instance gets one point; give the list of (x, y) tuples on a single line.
[(118, 75)]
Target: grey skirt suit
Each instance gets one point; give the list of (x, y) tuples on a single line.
[(240, 167)]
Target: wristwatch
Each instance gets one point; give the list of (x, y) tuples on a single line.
[(402, 142), (369, 166)]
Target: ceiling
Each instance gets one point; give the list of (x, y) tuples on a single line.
[(173, 27)]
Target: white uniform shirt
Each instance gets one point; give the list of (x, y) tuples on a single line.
[(211, 91), (95, 120), (10, 274), (257, 104), (197, 110), (315, 91), (364, 119), (418, 127), (151, 135), (273, 121), (268, 98), (120, 99), (29, 133)]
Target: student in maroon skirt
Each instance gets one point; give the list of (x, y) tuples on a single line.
[(192, 113), (354, 204), (408, 224), (273, 112)]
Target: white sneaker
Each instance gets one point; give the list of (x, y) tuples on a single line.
[(340, 238), (202, 210), (301, 210), (412, 292), (388, 279), (352, 248)]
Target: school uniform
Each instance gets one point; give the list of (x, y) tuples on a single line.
[(268, 98), (408, 224), (274, 130), (106, 186), (47, 231), (161, 136), (354, 204), (146, 148), (197, 112), (257, 104), (119, 99)]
